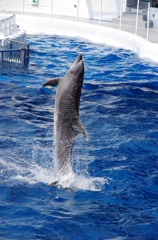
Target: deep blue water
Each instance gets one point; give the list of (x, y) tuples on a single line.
[(113, 191)]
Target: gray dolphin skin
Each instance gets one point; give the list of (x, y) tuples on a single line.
[(67, 123)]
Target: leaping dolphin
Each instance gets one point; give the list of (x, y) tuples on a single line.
[(67, 123)]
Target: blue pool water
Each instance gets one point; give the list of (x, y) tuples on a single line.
[(113, 190)]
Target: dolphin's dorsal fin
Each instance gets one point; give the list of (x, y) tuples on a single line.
[(81, 128), (52, 82)]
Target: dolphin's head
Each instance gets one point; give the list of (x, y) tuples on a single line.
[(69, 88), (77, 69), (78, 59)]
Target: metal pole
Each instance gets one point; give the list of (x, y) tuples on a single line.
[(121, 14), (100, 12), (1, 57), (148, 21), (23, 3), (51, 8), (137, 17), (5, 28), (77, 11)]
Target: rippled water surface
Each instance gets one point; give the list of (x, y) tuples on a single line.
[(113, 190)]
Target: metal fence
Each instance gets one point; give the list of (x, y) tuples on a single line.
[(128, 15), (18, 53)]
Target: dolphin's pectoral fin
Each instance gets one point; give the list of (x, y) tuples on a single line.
[(81, 128), (52, 82)]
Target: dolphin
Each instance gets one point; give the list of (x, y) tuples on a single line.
[(67, 123)]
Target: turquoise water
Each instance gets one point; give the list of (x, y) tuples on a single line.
[(113, 190)]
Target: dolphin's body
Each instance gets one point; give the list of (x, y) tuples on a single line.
[(67, 123)]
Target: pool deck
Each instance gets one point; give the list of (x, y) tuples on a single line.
[(142, 32)]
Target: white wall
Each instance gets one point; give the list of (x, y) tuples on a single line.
[(59, 7), (86, 8), (154, 16), (4, 4), (91, 8)]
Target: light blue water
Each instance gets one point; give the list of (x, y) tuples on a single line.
[(113, 190)]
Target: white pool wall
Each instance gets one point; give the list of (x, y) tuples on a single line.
[(94, 33)]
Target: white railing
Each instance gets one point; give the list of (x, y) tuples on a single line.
[(7, 25), (121, 14), (148, 21), (101, 11), (137, 17)]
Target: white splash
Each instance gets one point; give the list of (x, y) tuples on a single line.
[(40, 169), (75, 181)]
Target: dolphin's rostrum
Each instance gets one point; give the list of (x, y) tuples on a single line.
[(67, 123)]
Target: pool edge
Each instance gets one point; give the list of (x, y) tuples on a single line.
[(94, 33)]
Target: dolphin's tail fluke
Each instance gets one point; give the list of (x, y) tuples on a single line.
[(52, 82)]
